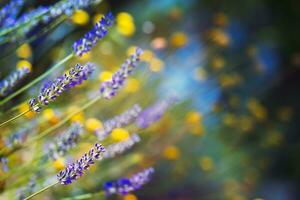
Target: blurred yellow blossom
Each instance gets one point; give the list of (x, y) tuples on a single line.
[(25, 107), (125, 24), (156, 65), (50, 115), (217, 63), (119, 134), (78, 117), (130, 197), (206, 163), (219, 37), (132, 85), (80, 17), (24, 63), (24, 51), (93, 124), (147, 56), (131, 50), (97, 17), (193, 117), (171, 153), (257, 109), (179, 39), (229, 119), (59, 164), (105, 76)]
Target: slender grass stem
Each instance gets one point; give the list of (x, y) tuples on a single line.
[(40, 191), (14, 118), (38, 79), (86, 196)]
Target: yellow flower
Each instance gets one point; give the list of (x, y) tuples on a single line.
[(24, 63), (125, 24), (86, 56), (219, 37), (24, 107), (132, 86), (171, 153), (105, 76), (24, 51), (79, 117), (80, 17), (179, 39), (130, 197), (131, 50), (218, 63), (193, 117), (206, 163), (97, 17), (147, 56), (93, 124), (119, 134), (49, 115), (59, 164), (156, 65)]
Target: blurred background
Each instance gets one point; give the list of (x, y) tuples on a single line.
[(234, 68)]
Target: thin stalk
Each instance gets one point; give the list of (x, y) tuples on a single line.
[(38, 79), (86, 196), (14, 118), (40, 191)]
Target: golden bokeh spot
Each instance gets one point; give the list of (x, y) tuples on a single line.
[(246, 123), (274, 139), (24, 51), (229, 119), (132, 86), (156, 65), (80, 17), (219, 37), (59, 164), (257, 109), (97, 18), (217, 63), (130, 197), (24, 63), (147, 56), (229, 80), (206, 163), (93, 124), (78, 117), (171, 153), (25, 107), (220, 19), (131, 50), (86, 56), (179, 39), (50, 115), (193, 117), (105, 76), (125, 24), (119, 134)]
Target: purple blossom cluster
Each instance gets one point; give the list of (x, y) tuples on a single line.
[(90, 39), (75, 170), (154, 112), (3, 162), (123, 186), (12, 80), (66, 141), (118, 148), (109, 88), (118, 121), (51, 90), (9, 12)]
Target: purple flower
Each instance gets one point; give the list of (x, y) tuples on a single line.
[(154, 112), (91, 38), (51, 90), (9, 12), (75, 170), (125, 185), (12, 80), (118, 121), (118, 148), (109, 88), (66, 141)]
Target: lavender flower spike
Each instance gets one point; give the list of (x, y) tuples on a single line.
[(109, 88), (118, 121), (12, 80), (125, 185), (91, 38), (154, 112), (64, 143), (75, 170), (51, 90)]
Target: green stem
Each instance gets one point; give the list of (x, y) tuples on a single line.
[(14, 118), (86, 196), (40, 191), (38, 79)]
